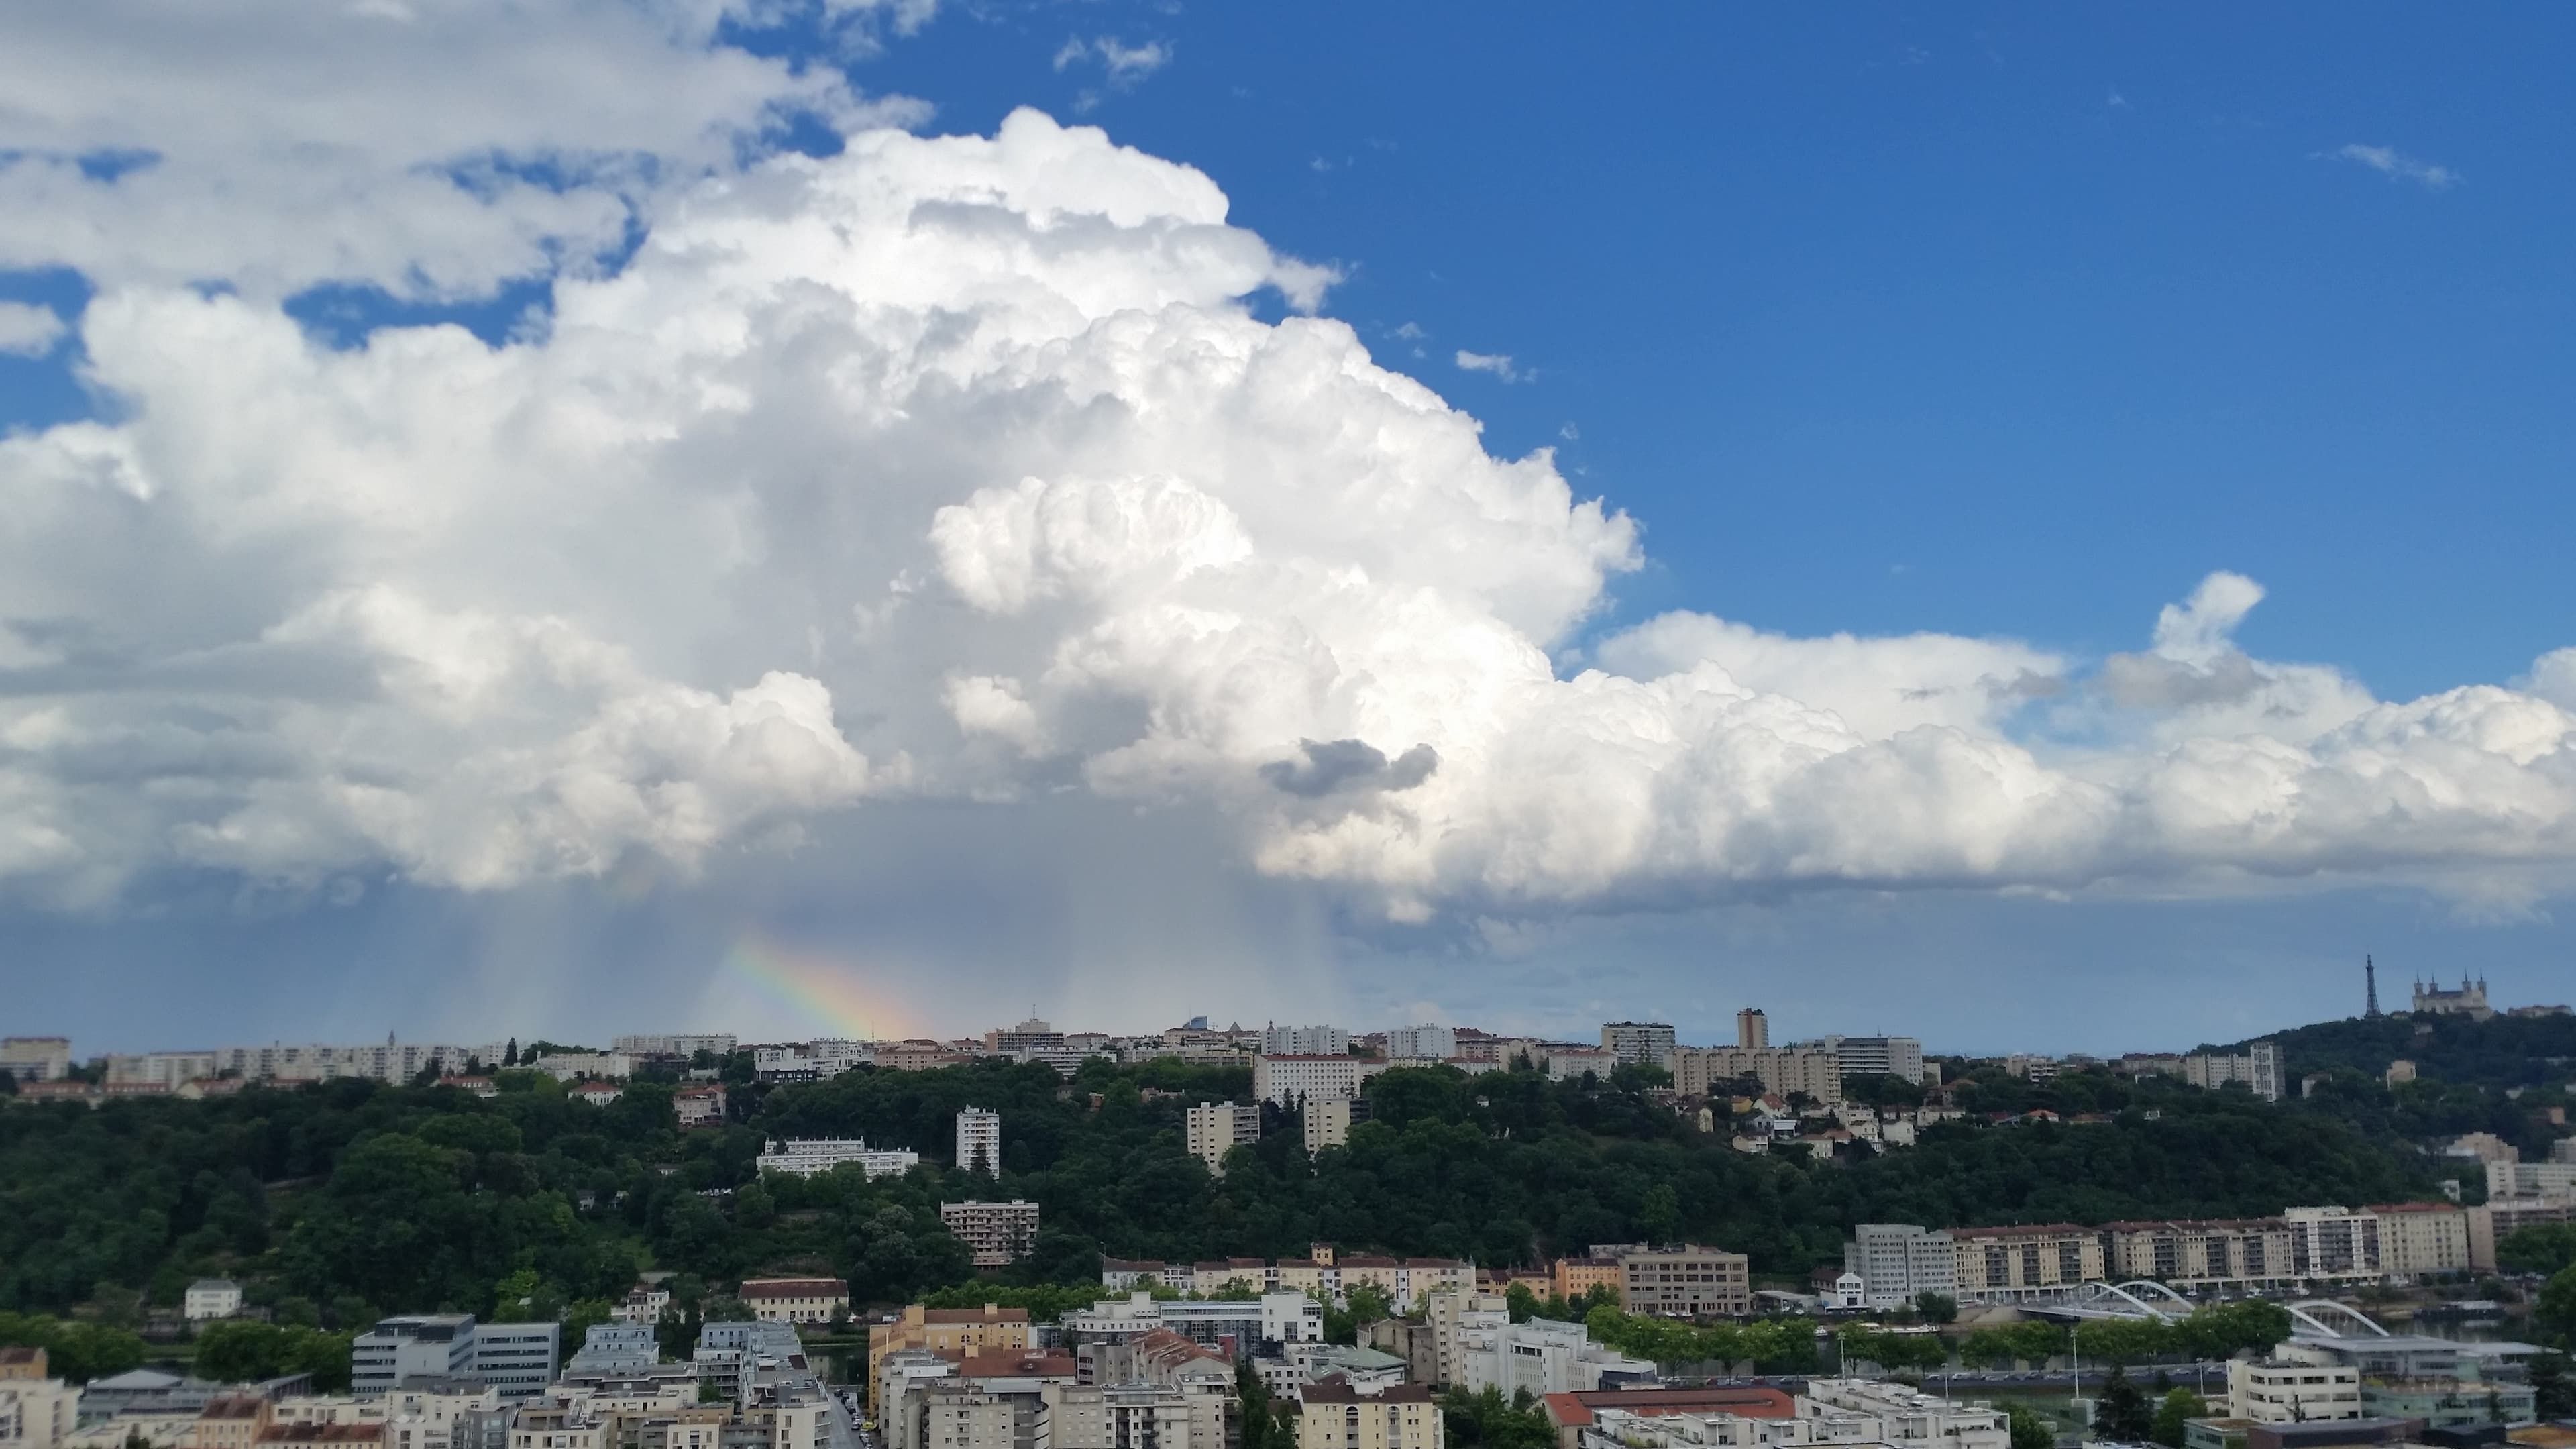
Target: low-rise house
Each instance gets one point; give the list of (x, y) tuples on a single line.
[(795, 1300), (211, 1298)]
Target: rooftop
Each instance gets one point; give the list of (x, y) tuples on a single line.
[(1575, 1409), (1337, 1390)]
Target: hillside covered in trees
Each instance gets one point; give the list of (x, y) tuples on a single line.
[(339, 1202)]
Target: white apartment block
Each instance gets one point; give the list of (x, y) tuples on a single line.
[(2333, 1243), (565, 1066), (2532, 1179), (1567, 1064), (812, 1061), (674, 1046), (1287, 1079), (2258, 1067), (808, 1156), (1873, 1056), (2278, 1391), (211, 1298), (1633, 1042), (1305, 1041), (1897, 1261), (979, 1141), (995, 1232), (36, 1058), (1216, 1128), (1903, 1417), (1428, 1042), (36, 1412)]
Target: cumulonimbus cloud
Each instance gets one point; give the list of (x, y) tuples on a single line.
[(962, 467)]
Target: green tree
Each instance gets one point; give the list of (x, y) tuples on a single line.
[(2543, 1248), (2122, 1413), (2030, 1430), (1936, 1307), (2178, 1405), (2553, 1385), (2555, 1311)]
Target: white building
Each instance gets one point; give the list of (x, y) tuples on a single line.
[(1216, 1128), (36, 1412), (2258, 1067), (417, 1345), (1630, 1042), (2554, 1178), (608, 1348), (979, 1141), (2280, 1391), (812, 1061), (1896, 1261), (565, 1066), (210, 1298), (718, 1042), (2333, 1243), (1305, 1041), (1566, 1064), (1875, 1056), (36, 1058), (808, 1156), (700, 1105), (1288, 1079), (518, 1359), (1428, 1042), (1891, 1413), (795, 1300)]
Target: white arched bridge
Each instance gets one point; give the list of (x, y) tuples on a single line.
[(2146, 1298)]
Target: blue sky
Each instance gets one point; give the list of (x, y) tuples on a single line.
[(1997, 323)]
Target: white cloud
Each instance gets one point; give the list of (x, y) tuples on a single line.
[(435, 150), (28, 330), (2399, 166), (1124, 64), (1497, 363), (959, 470)]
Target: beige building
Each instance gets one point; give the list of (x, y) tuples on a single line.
[(1141, 1416), (2279, 1391), (1573, 1276), (1328, 1120), (1217, 1128), (2493, 1221), (1285, 1081), (795, 1300), (948, 1330), (1780, 1070), (2004, 1262), (1400, 1416), (36, 1412), (2422, 1237), (2187, 1253), (1685, 1282), (995, 1232)]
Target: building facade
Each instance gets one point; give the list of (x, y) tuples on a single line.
[(1428, 1042), (1213, 1129), (2280, 1391), (2416, 1238), (1336, 1415), (1781, 1070), (1305, 1041), (995, 1232), (1327, 1121), (1288, 1079), (979, 1141), (795, 1300), (1897, 1261), (1685, 1282), (1997, 1264), (1631, 1043), (810, 1156)]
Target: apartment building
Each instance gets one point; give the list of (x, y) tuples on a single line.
[(36, 1410), (2422, 1237), (1337, 1415), (1752, 1029), (420, 1345), (1428, 1042), (2333, 1243), (1573, 1276), (1685, 1282), (2190, 1254), (36, 1058), (1327, 1121), (1995, 1264), (1305, 1041), (518, 1359), (1894, 1414), (1638, 1042), (1288, 1079), (2498, 1219), (948, 1331), (702, 1105), (2532, 1179), (1897, 1261), (680, 1045), (795, 1300), (2258, 1067), (2279, 1391), (979, 1141), (1214, 1129), (1781, 1070), (1141, 1416), (995, 1232), (811, 1156)]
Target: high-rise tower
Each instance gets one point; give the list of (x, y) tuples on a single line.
[(2370, 975)]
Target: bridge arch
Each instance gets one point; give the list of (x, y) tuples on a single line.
[(2119, 1294), (2306, 1312), (2151, 1286)]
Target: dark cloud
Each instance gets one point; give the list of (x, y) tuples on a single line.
[(1334, 767)]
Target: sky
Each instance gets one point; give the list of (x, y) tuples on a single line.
[(2035, 530)]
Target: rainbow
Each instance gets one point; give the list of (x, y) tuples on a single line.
[(837, 993)]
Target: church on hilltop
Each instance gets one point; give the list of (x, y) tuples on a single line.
[(2469, 1001)]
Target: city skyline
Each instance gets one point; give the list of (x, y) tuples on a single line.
[(1978, 519)]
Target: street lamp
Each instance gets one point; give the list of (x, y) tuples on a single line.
[(2075, 1371)]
